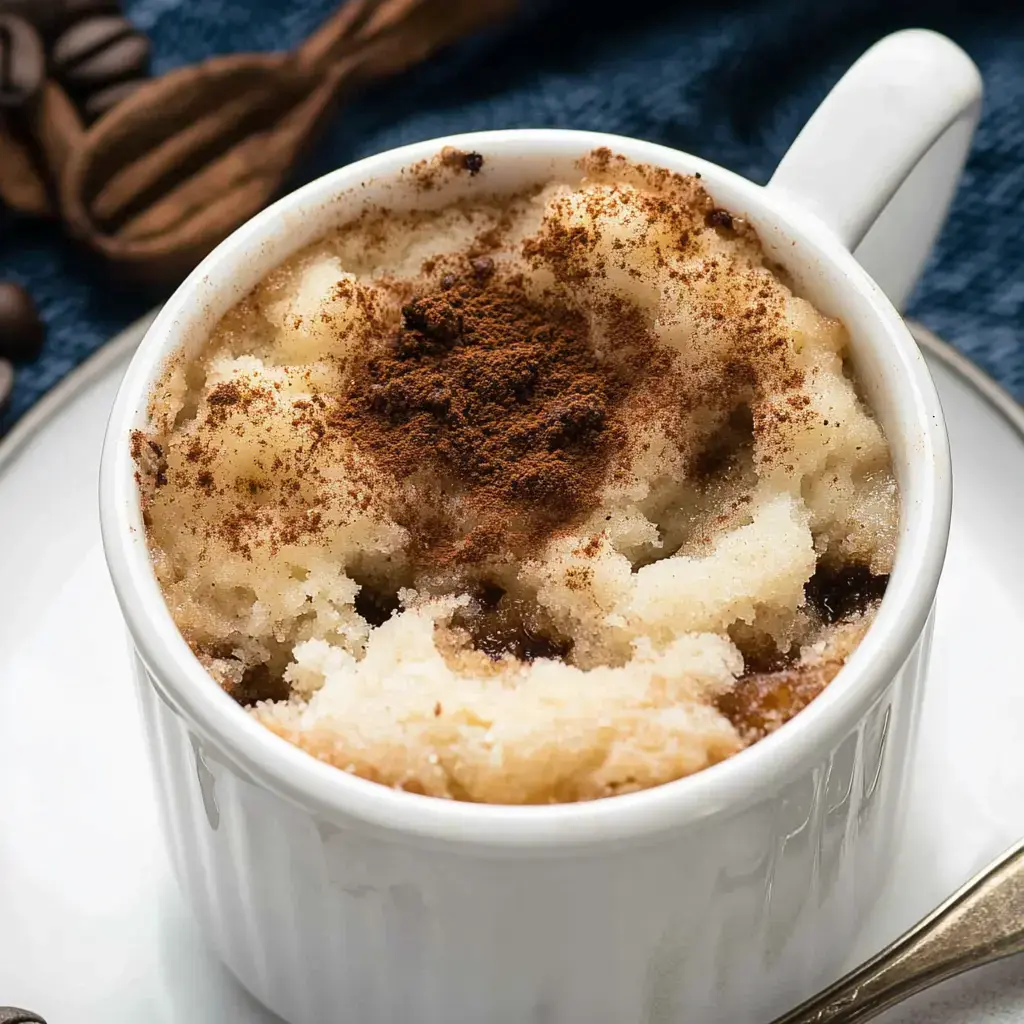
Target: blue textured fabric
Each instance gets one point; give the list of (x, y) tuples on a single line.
[(730, 80)]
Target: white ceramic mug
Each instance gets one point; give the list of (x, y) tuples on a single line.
[(723, 897)]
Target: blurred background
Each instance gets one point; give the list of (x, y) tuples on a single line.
[(730, 80)]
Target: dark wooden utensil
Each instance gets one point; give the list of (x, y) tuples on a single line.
[(34, 149), (176, 166)]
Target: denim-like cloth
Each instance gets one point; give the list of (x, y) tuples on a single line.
[(729, 80)]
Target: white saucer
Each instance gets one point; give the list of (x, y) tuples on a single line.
[(92, 928)]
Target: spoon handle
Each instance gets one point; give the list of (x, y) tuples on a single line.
[(359, 22), (335, 36), (982, 922)]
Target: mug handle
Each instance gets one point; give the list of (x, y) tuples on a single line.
[(879, 160)]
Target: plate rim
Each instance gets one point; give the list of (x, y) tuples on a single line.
[(71, 385), (123, 344), (126, 341), (971, 374)]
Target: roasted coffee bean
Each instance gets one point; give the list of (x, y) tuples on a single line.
[(99, 52), (12, 1015), (22, 61), (6, 389), (100, 102), (72, 11), (21, 330), (42, 14), (51, 17)]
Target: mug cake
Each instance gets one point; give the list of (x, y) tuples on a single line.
[(528, 499)]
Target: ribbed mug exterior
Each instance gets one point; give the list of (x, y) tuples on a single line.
[(325, 919), (717, 899)]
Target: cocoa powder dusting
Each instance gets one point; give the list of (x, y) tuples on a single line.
[(494, 403), (502, 396), (429, 174)]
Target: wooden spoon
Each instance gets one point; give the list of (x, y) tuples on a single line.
[(22, 186), (34, 150), (177, 166)]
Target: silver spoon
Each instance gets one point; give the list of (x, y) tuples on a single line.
[(982, 922)]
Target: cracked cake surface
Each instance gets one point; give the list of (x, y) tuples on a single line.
[(533, 499)]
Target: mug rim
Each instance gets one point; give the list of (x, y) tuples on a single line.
[(727, 786)]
